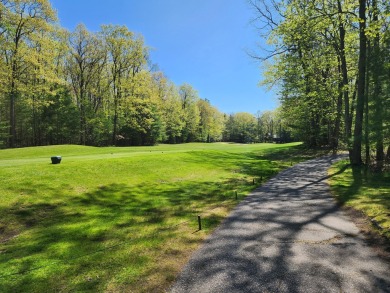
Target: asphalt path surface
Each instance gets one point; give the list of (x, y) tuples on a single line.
[(287, 236)]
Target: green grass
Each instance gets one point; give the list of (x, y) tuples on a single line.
[(119, 219), (364, 191)]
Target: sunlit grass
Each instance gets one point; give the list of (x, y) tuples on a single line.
[(119, 219), (365, 191)]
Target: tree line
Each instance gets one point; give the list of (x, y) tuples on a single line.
[(331, 62), (98, 88)]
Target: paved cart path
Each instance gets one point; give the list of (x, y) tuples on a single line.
[(287, 236)]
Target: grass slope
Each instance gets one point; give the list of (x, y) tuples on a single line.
[(119, 219), (364, 191)]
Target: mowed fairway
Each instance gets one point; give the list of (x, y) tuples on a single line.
[(119, 219)]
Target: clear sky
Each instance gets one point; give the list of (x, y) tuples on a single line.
[(200, 42)]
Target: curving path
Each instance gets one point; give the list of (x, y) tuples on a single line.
[(287, 236)]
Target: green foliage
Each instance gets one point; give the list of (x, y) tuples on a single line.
[(99, 89), (126, 55), (85, 68), (317, 48), (60, 120), (28, 45), (89, 88), (172, 110), (189, 99), (241, 127), (269, 126), (157, 131), (211, 123), (3, 134)]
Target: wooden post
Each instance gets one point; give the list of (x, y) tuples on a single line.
[(199, 223), (236, 194)]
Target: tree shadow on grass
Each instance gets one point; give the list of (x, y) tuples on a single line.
[(367, 197), (258, 164), (67, 238), (58, 236), (348, 186)]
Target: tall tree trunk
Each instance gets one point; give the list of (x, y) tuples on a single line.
[(12, 109), (339, 107), (366, 110), (117, 88), (345, 82), (336, 132), (12, 117), (352, 110), (115, 121), (83, 123), (357, 139), (377, 98)]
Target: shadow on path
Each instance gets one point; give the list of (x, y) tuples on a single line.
[(287, 236)]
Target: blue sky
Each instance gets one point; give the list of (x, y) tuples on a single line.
[(200, 42)]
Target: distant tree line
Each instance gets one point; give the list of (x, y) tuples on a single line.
[(331, 61), (265, 126), (100, 88)]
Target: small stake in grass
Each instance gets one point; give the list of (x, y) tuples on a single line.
[(199, 223), (236, 194)]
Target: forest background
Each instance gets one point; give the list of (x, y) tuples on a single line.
[(100, 88), (328, 59)]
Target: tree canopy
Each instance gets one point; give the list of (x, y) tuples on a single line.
[(100, 88), (330, 61), (94, 88)]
